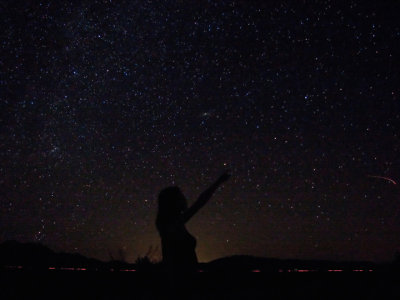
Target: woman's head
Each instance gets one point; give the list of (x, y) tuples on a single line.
[(171, 202)]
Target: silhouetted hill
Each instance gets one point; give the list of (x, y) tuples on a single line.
[(244, 263), (36, 256)]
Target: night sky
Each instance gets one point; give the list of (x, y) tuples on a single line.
[(105, 103)]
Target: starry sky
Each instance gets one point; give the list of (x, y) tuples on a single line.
[(105, 103)]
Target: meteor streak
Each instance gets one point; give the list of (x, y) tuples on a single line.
[(382, 177)]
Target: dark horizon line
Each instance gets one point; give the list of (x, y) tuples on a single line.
[(45, 248)]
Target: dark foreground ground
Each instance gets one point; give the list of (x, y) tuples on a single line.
[(20, 284)]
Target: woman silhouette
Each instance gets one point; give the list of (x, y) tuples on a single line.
[(178, 245)]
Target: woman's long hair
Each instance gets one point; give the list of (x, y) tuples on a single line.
[(171, 203)]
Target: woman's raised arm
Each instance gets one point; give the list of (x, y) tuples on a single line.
[(204, 197)]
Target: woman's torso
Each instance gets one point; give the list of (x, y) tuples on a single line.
[(178, 247)]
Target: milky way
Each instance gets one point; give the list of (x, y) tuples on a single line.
[(105, 103)]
